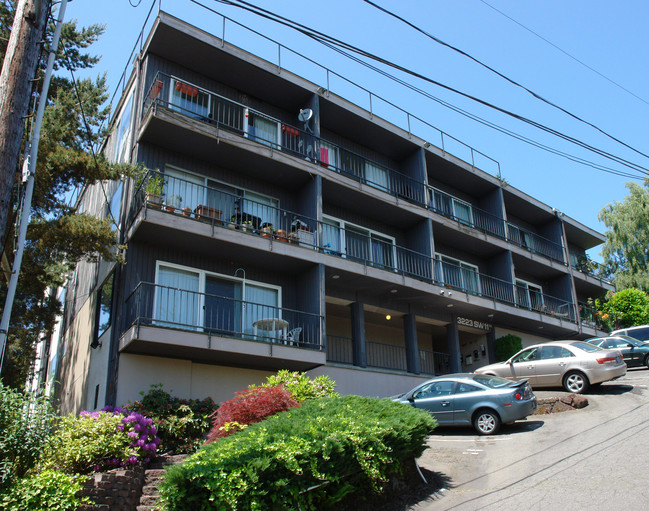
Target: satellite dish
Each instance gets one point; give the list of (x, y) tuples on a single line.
[(305, 114)]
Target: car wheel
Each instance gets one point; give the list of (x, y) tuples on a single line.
[(575, 382), (486, 422), (646, 361)]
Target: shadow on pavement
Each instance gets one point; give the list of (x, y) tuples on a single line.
[(404, 498), (517, 427)]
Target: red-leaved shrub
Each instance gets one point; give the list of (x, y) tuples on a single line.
[(248, 407)]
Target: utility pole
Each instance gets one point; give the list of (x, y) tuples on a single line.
[(16, 78)]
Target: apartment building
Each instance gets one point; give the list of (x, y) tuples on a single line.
[(280, 226)]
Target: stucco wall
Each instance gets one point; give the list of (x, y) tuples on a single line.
[(182, 378), (75, 360)]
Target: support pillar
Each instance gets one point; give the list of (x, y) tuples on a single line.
[(412, 348), (358, 334), (453, 342)]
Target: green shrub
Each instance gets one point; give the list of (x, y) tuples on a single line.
[(248, 407), (51, 490), (25, 423), (307, 458), (100, 440), (301, 386), (623, 309), (181, 423), (506, 346)]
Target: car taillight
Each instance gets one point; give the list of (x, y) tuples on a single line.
[(606, 359), (518, 396)]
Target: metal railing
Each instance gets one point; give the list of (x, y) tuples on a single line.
[(386, 356), (587, 266), (434, 362), (535, 243), (227, 114), (231, 210), (170, 307), (589, 316), (340, 349), (327, 81)]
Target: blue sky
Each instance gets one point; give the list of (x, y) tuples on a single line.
[(606, 36)]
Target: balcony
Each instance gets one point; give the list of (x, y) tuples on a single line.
[(385, 356), (212, 109), (222, 113), (167, 321), (226, 210)]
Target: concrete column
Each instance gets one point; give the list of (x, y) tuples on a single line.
[(491, 346), (358, 334), (412, 348), (453, 342)]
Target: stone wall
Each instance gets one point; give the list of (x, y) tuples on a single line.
[(117, 490)]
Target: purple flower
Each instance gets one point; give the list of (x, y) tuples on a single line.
[(140, 443), (133, 434), (153, 430), (97, 468)]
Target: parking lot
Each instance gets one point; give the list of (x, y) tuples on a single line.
[(594, 457)]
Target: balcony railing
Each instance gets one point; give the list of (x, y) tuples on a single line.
[(224, 113), (169, 307), (590, 317), (434, 362), (587, 266), (233, 210), (535, 243)]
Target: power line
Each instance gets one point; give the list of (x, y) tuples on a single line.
[(88, 132), (513, 82), (566, 53), (336, 44)]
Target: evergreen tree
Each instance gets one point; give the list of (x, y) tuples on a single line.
[(57, 237), (626, 250)]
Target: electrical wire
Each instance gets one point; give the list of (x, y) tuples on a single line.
[(88, 132), (534, 94), (336, 44), (566, 53)]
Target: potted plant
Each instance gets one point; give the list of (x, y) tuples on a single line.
[(154, 188), (267, 230), (247, 226), (187, 211), (173, 203), (281, 235)]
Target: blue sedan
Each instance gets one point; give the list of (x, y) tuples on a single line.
[(468, 399)]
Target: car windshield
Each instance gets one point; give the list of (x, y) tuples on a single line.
[(590, 348), (493, 382)]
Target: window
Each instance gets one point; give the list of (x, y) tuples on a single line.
[(457, 274), (104, 311), (450, 206), (189, 100), (358, 243), (465, 387), (123, 132), (521, 237), (527, 355), (115, 205), (220, 304), (328, 156), (550, 352), (262, 129), (376, 176), (183, 189), (529, 295)]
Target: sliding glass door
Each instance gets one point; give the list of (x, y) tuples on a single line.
[(176, 299)]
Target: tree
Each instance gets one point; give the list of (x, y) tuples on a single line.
[(623, 309), (626, 250), (18, 69), (57, 237)]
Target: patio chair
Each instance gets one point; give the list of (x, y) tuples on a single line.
[(293, 336)]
